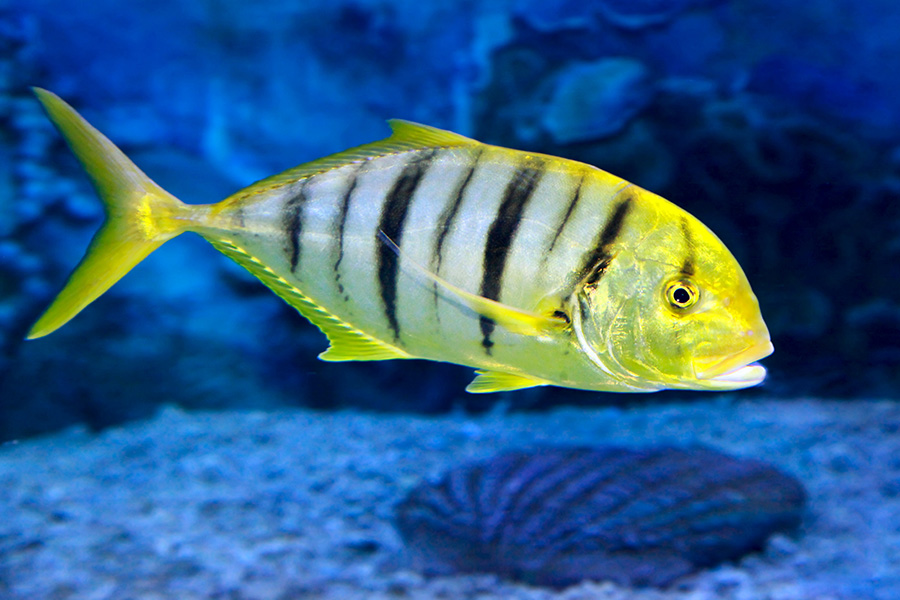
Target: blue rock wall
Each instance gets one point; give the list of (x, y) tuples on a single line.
[(776, 124)]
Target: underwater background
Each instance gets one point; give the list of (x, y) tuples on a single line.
[(179, 438)]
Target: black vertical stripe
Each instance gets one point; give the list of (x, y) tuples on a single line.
[(597, 260), (687, 268), (343, 211), (448, 216), (292, 223), (571, 208), (393, 216), (613, 227), (500, 237)]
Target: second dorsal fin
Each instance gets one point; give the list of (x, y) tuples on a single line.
[(407, 136)]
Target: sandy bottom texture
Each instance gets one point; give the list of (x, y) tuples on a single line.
[(298, 505)]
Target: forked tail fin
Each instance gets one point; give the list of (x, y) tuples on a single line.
[(140, 216)]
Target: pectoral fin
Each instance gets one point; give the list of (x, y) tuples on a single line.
[(496, 381), (514, 319)]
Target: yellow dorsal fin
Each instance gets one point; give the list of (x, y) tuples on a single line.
[(407, 136), (497, 381), (347, 343), (514, 319)]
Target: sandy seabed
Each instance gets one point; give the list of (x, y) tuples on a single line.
[(299, 505)]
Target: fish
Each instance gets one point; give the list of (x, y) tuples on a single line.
[(533, 269)]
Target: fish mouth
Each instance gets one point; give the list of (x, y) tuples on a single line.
[(738, 371)]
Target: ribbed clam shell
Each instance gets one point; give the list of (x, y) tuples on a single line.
[(555, 516)]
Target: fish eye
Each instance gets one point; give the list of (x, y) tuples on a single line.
[(682, 294)]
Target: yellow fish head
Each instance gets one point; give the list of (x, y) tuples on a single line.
[(676, 311)]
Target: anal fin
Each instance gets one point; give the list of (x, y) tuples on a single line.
[(350, 344), (347, 342), (496, 381)]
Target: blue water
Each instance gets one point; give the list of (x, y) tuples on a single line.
[(777, 124)]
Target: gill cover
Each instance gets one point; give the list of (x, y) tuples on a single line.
[(672, 308)]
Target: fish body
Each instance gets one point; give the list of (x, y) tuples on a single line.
[(531, 268)]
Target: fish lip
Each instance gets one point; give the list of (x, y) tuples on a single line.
[(746, 376), (741, 369)]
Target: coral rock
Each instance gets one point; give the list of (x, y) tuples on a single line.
[(637, 14), (556, 516), (595, 100)]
